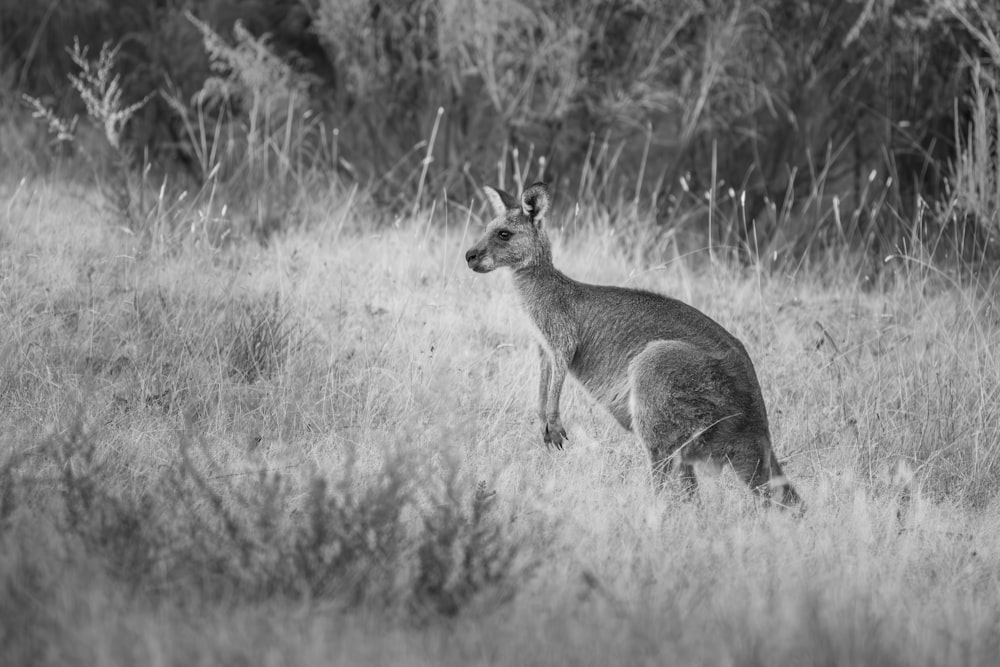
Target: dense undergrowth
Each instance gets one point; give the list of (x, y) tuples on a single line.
[(778, 128)]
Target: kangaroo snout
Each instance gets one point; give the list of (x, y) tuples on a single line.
[(474, 258)]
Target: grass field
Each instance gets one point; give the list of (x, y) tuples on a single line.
[(323, 450)]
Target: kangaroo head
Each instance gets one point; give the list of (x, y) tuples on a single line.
[(514, 237)]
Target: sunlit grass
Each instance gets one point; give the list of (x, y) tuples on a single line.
[(882, 403)]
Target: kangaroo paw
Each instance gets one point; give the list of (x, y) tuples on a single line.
[(554, 434)]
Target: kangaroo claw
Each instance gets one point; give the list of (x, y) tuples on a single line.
[(555, 435)]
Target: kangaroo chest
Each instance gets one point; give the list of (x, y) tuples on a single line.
[(553, 328)]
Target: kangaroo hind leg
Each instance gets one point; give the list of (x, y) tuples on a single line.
[(668, 408), (665, 460), (760, 470)]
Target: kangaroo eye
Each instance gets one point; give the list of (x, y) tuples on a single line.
[(504, 235)]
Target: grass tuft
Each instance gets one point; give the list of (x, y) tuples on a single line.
[(262, 338)]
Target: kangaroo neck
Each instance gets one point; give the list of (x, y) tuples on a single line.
[(540, 282)]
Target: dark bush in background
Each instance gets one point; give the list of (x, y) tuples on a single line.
[(792, 102)]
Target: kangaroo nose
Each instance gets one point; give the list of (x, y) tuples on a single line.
[(470, 255)]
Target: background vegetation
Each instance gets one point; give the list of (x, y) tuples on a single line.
[(832, 124), (255, 409)]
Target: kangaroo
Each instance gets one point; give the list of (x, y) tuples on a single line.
[(662, 368)]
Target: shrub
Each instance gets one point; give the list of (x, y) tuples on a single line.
[(464, 554), (369, 539), (100, 89), (971, 213)]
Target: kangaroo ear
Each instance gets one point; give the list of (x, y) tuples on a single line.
[(500, 201), (535, 202)]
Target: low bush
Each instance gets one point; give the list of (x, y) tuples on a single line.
[(196, 535)]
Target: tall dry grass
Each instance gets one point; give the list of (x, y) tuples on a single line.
[(324, 450)]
